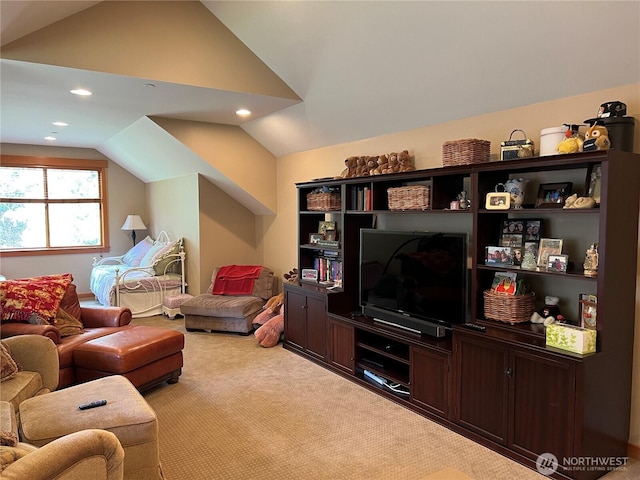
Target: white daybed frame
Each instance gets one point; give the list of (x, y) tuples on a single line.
[(145, 296)]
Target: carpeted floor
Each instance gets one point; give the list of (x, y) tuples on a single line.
[(243, 412)]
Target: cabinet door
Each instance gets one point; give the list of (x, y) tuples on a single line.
[(430, 380), (295, 318), (341, 346), (542, 402), (482, 387), (316, 326)]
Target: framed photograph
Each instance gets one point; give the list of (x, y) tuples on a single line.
[(513, 226), (309, 275), (498, 201), (498, 256), (511, 240), (548, 246), (588, 310), (327, 229), (518, 254), (532, 229), (557, 263), (553, 195), (315, 237)]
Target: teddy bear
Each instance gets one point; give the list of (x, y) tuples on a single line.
[(372, 165), (549, 314), (392, 165), (382, 162), (361, 169), (292, 276), (269, 323), (351, 165), (404, 162)]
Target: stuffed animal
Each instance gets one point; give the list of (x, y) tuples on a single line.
[(404, 162), (361, 169), (550, 313), (268, 335), (572, 141), (269, 310), (372, 165), (392, 165), (351, 166), (383, 162), (596, 138)]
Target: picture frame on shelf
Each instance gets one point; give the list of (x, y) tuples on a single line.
[(511, 240), (588, 310), (315, 238), (513, 226), (498, 256), (557, 263), (309, 275), (518, 255), (532, 229), (498, 201), (327, 229), (548, 246), (553, 195)]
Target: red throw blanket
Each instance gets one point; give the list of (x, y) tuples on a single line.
[(236, 280)]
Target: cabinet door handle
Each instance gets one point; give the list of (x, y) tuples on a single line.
[(508, 371)]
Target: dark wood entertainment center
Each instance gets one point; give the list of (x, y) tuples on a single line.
[(501, 387)]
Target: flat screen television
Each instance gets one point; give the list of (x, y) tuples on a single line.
[(417, 281)]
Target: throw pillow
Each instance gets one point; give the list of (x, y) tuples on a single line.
[(8, 366), (135, 255), (149, 258), (70, 303), (165, 256), (67, 324), (8, 439), (41, 295)]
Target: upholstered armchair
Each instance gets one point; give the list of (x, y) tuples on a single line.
[(37, 357), (95, 454)]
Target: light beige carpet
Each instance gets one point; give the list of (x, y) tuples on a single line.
[(242, 412)]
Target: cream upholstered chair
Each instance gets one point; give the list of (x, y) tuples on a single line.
[(95, 454), (229, 312), (37, 358)]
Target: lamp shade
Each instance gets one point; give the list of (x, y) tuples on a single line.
[(133, 222)]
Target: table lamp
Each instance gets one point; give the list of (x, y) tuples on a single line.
[(133, 223)]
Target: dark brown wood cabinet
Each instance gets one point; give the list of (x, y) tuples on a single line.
[(306, 321), (504, 387), (341, 345)]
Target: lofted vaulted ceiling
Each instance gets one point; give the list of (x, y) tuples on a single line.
[(314, 73)]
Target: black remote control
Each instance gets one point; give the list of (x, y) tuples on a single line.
[(97, 403), (475, 326)]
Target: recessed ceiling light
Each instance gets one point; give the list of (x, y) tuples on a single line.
[(81, 92), (243, 112), (60, 124), (50, 138)]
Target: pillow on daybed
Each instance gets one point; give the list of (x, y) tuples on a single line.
[(135, 255), (160, 255)]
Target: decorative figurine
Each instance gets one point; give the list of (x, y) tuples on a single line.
[(591, 261), (464, 201), (529, 261)]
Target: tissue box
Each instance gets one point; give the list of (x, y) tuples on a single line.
[(568, 337)]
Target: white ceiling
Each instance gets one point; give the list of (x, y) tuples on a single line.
[(362, 69)]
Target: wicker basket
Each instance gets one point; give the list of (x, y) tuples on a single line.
[(465, 152), (414, 197), (323, 201), (509, 308)]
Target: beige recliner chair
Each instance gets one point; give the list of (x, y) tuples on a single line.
[(228, 311), (91, 453)]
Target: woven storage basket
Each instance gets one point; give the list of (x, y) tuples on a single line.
[(323, 201), (509, 308), (414, 197), (465, 152)]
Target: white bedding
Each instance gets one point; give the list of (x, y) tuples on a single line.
[(142, 289)]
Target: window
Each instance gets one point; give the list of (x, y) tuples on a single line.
[(52, 205)]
